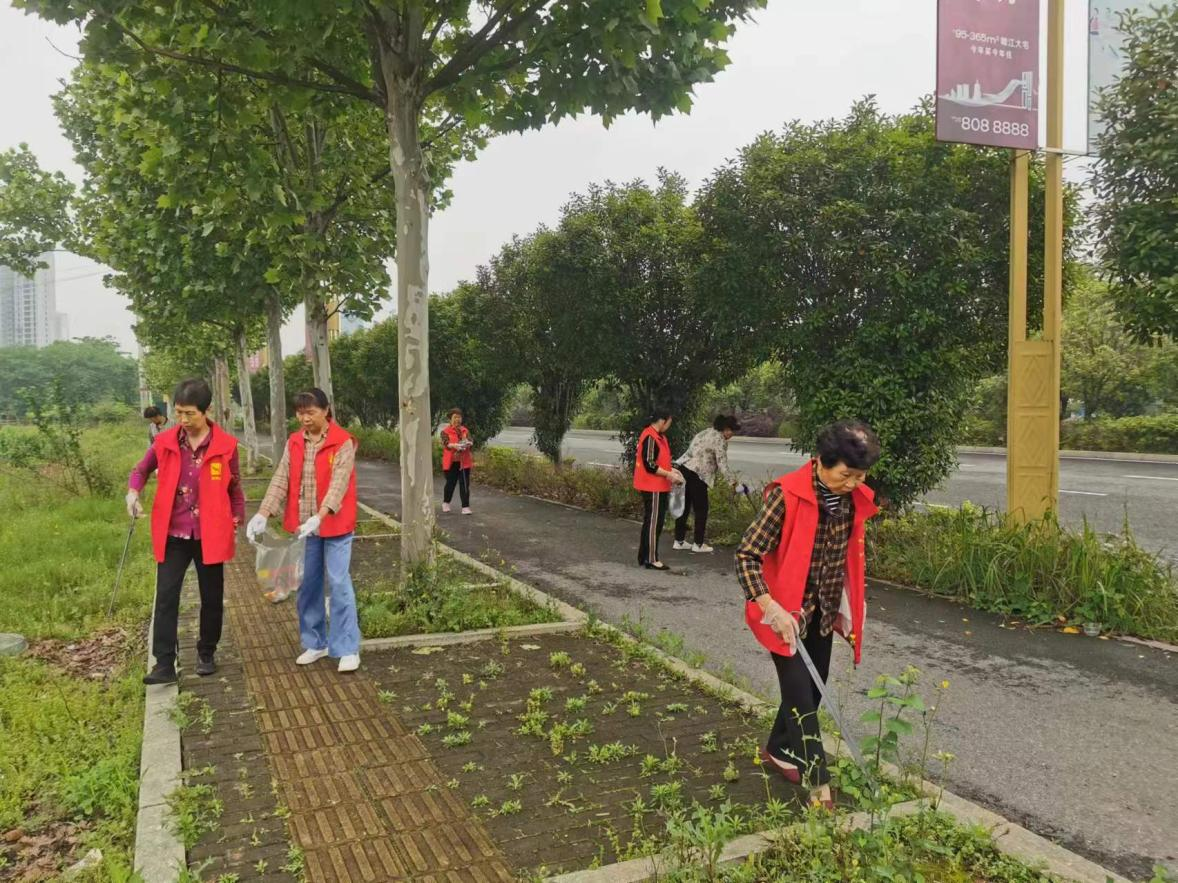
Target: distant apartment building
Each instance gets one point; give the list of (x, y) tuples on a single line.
[(28, 308)]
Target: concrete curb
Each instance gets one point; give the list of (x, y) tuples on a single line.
[(159, 852), (471, 637), (1013, 839), (653, 867)]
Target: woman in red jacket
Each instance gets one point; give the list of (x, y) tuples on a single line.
[(457, 460), (314, 487), (198, 505), (654, 473), (801, 567)]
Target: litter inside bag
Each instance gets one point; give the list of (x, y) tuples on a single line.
[(678, 500), (279, 566)]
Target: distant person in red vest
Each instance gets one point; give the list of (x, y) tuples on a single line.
[(314, 487), (654, 473), (197, 508), (457, 460), (801, 565)]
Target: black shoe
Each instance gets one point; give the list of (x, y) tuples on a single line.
[(205, 665), (161, 674), (659, 566)]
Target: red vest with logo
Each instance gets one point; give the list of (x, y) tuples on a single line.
[(787, 568), (342, 522), (453, 436), (217, 531), (648, 481)]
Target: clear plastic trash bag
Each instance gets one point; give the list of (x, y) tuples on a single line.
[(279, 565)]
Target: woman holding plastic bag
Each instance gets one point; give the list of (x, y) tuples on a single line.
[(314, 487)]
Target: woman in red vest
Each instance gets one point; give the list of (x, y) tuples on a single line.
[(802, 570), (197, 508), (654, 473), (314, 487), (457, 460)]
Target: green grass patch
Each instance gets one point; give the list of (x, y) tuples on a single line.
[(1039, 572), (69, 749), (444, 597)]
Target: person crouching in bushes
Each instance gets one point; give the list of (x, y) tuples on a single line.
[(457, 460), (314, 488), (706, 457), (194, 517), (654, 473), (801, 565)]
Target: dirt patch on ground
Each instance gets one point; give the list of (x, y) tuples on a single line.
[(97, 657), (573, 751), (32, 856)]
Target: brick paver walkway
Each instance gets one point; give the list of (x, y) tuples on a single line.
[(366, 802)]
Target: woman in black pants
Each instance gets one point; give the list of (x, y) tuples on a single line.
[(706, 457), (654, 473), (457, 461)]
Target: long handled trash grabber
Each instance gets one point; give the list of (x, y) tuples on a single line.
[(119, 574), (833, 708)]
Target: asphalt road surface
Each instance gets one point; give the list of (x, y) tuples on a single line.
[(1076, 738), (1101, 491)]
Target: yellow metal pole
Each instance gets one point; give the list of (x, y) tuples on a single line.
[(1053, 239)]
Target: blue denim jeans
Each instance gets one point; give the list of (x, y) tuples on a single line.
[(328, 558)]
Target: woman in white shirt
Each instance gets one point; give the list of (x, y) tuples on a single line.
[(706, 457)]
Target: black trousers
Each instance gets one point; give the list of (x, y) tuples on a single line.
[(796, 737), (654, 516), (697, 503), (456, 475), (169, 579)]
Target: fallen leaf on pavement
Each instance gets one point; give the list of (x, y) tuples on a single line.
[(1070, 630)]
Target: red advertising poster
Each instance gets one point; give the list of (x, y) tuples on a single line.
[(988, 72)]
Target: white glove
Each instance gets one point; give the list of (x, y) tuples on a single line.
[(777, 618), (742, 489), (255, 528), (677, 477), (134, 507), (310, 527)]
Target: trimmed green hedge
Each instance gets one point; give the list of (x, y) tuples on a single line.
[(1157, 434)]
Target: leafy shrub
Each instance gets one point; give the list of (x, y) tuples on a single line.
[(1153, 435), (1040, 572)]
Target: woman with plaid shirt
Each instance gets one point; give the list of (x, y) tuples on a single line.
[(801, 567)]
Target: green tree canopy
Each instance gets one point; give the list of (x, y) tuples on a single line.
[(34, 210), (877, 259), (1136, 179), (90, 370)]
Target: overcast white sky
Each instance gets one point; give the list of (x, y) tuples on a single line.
[(800, 60)]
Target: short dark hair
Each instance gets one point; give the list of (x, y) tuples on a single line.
[(312, 398), (725, 421), (151, 411), (194, 392), (660, 413), (851, 442), (454, 411)]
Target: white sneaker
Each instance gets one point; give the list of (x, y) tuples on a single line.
[(309, 656), (445, 507), (466, 510), (702, 547), (681, 546), (350, 662)]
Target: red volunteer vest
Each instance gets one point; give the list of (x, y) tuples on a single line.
[(217, 531), (645, 481), (787, 568), (454, 436), (342, 522)]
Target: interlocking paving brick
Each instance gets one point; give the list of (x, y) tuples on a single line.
[(365, 801)]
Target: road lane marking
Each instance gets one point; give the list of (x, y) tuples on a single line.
[(1084, 493), (1152, 477)]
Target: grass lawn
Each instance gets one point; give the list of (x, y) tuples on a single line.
[(449, 597), (71, 710)]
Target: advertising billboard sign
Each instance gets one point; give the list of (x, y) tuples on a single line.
[(988, 72)]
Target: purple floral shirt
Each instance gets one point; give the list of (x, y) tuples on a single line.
[(185, 521)]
